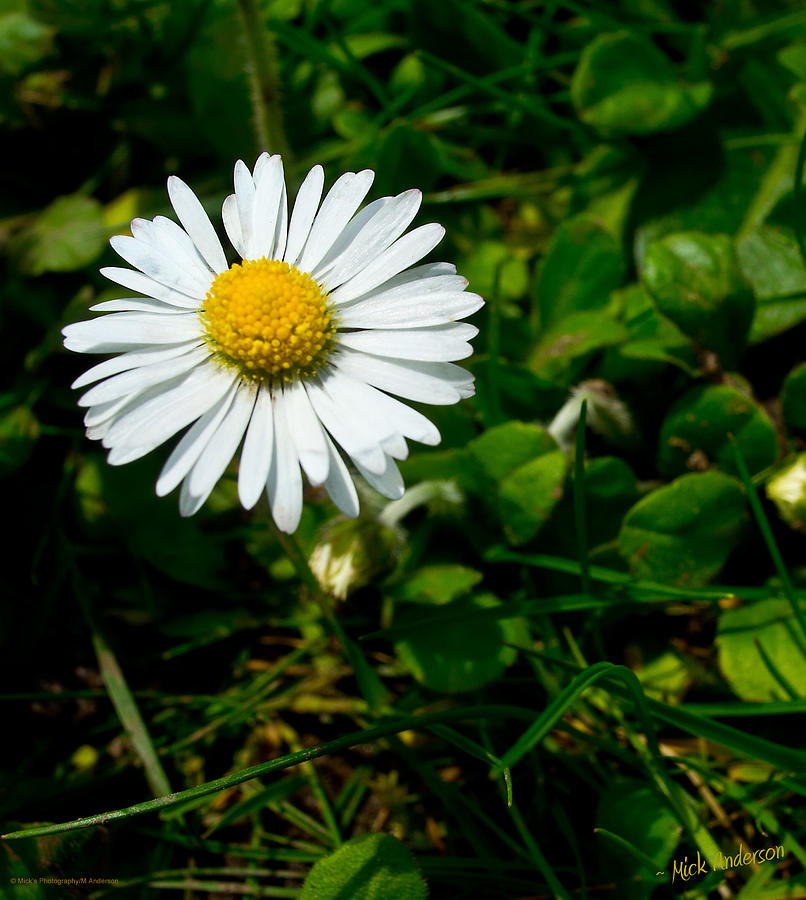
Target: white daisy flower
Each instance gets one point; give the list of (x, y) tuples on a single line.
[(293, 350)]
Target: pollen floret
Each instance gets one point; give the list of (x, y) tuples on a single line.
[(268, 319)]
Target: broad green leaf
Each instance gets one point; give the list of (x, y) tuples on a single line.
[(458, 655), (23, 42), (653, 341), (696, 432), (641, 816), (625, 85), (696, 282), (220, 93), (682, 533), (666, 677), (527, 496), (369, 867), (19, 431), (772, 264), (565, 346), (519, 474), (793, 398), (771, 624), (793, 58), (501, 450), (68, 235), (437, 584), (493, 270), (582, 265)]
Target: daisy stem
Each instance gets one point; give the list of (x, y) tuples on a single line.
[(370, 685), (264, 78)]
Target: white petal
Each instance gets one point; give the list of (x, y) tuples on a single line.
[(104, 412), (281, 232), (339, 484), (268, 193), (395, 446), (126, 330), (405, 251), (425, 311), (136, 380), (362, 241), (425, 382), (284, 489), (245, 199), (193, 442), (413, 283), (136, 304), (136, 281), (389, 482), (338, 207), (131, 360), (390, 415), (333, 400), (253, 472), (260, 162), (183, 401), (302, 216), (232, 225), (306, 432), (196, 223), (160, 266), (177, 243), (221, 447), (440, 343)]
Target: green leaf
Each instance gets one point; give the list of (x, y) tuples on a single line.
[(653, 341), (458, 655), (492, 270), (771, 262), (19, 431), (639, 815), (750, 675), (68, 235), (220, 93), (520, 474), (582, 265), (370, 867), (563, 349), (697, 430), (438, 584), (502, 449), (793, 398), (793, 58), (666, 678), (23, 42), (682, 533), (625, 85), (527, 496), (696, 282)]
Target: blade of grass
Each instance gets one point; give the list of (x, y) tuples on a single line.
[(580, 522), (646, 861), (623, 579), (345, 742), (769, 538), (121, 696)]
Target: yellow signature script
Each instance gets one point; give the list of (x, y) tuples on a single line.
[(684, 870)]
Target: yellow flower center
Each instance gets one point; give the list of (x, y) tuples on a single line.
[(269, 320)]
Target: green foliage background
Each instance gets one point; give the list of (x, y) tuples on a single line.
[(575, 651)]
